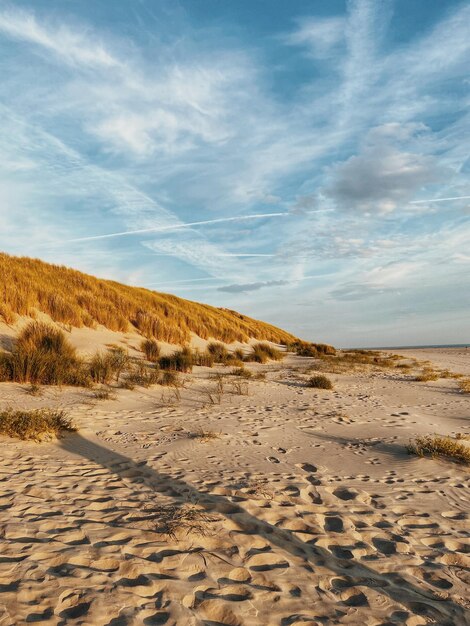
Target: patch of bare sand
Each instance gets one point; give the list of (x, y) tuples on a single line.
[(303, 508)]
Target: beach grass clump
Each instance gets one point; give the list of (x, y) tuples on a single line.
[(262, 353), (151, 349), (319, 382), (171, 519), (34, 425), (464, 385), (142, 375), (170, 379), (440, 446), (218, 351), (203, 359), (179, 361), (426, 375), (242, 372), (308, 349), (42, 355), (103, 367)]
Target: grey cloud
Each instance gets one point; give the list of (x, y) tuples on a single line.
[(357, 291), (383, 175), (236, 288)]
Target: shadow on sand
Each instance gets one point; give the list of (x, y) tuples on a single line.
[(394, 585)]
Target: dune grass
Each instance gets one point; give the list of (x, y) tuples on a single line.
[(34, 425), (151, 349), (262, 353), (464, 385), (42, 355), (440, 446), (76, 299), (319, 382)]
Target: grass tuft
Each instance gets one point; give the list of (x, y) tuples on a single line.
[(151, 349), (320, 382), (464, 385), (437, 446), (34, 425)]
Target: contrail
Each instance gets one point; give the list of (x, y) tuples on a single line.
[(243, 254), (240, 218), (439, 200)]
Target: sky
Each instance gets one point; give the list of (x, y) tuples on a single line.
[(303, 162)]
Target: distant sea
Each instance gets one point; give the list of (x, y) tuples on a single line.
[(443, 345)]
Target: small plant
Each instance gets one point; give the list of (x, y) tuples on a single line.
[(262, 352), (437, 445), (34, 425), (464, 385), (143, 375), (427, 375), (319, 382), (104, 393), (34, 390), (204, 435), (242, 372), (179, 361), (169, 379), (104, 367), (204, 359), (172, 519), (239, 388), (218, 351), (151, 349)]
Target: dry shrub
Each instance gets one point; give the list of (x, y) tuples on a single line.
[(305, 348), (204, 435), (218, 351), (464, 385), (239, 388), (151, 349), (427, 375), (262, 353), (172, 519), (204, 359), (35, 425), (437, 445), (241, 371), (34, 390), (170, 379), (320, 382), (104, 394), (42, 355), (142, 375), (179, 361)]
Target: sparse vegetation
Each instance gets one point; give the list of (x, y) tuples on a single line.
[(34, 425), (438, 446), (169, 379), (262, 353), (142, 375), (304, 348), (242, 372), (204, 435), (151, 349), (218, 351), (104, 367), (319, 382), (77, 299), (188, 518), (104, 393), (464, 385), (427, 375), (179, 361), (34, 390), (204, 359)]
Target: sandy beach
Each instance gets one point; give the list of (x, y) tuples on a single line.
[(282, 505)]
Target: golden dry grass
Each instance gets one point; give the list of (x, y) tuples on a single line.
[(320, 382), (35, 425), (440, 446), (77, 299), (464, 385)]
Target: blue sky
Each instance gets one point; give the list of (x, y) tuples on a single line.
[(292, 160)]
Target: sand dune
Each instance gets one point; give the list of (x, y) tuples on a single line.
[(288, 506)]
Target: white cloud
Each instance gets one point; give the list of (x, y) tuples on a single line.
[(321, 35), (71, 46)]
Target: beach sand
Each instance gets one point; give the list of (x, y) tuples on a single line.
[(287, 506)]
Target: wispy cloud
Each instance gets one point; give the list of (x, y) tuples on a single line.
[(236, 288)]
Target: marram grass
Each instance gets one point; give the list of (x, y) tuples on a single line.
[(76, 299)]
